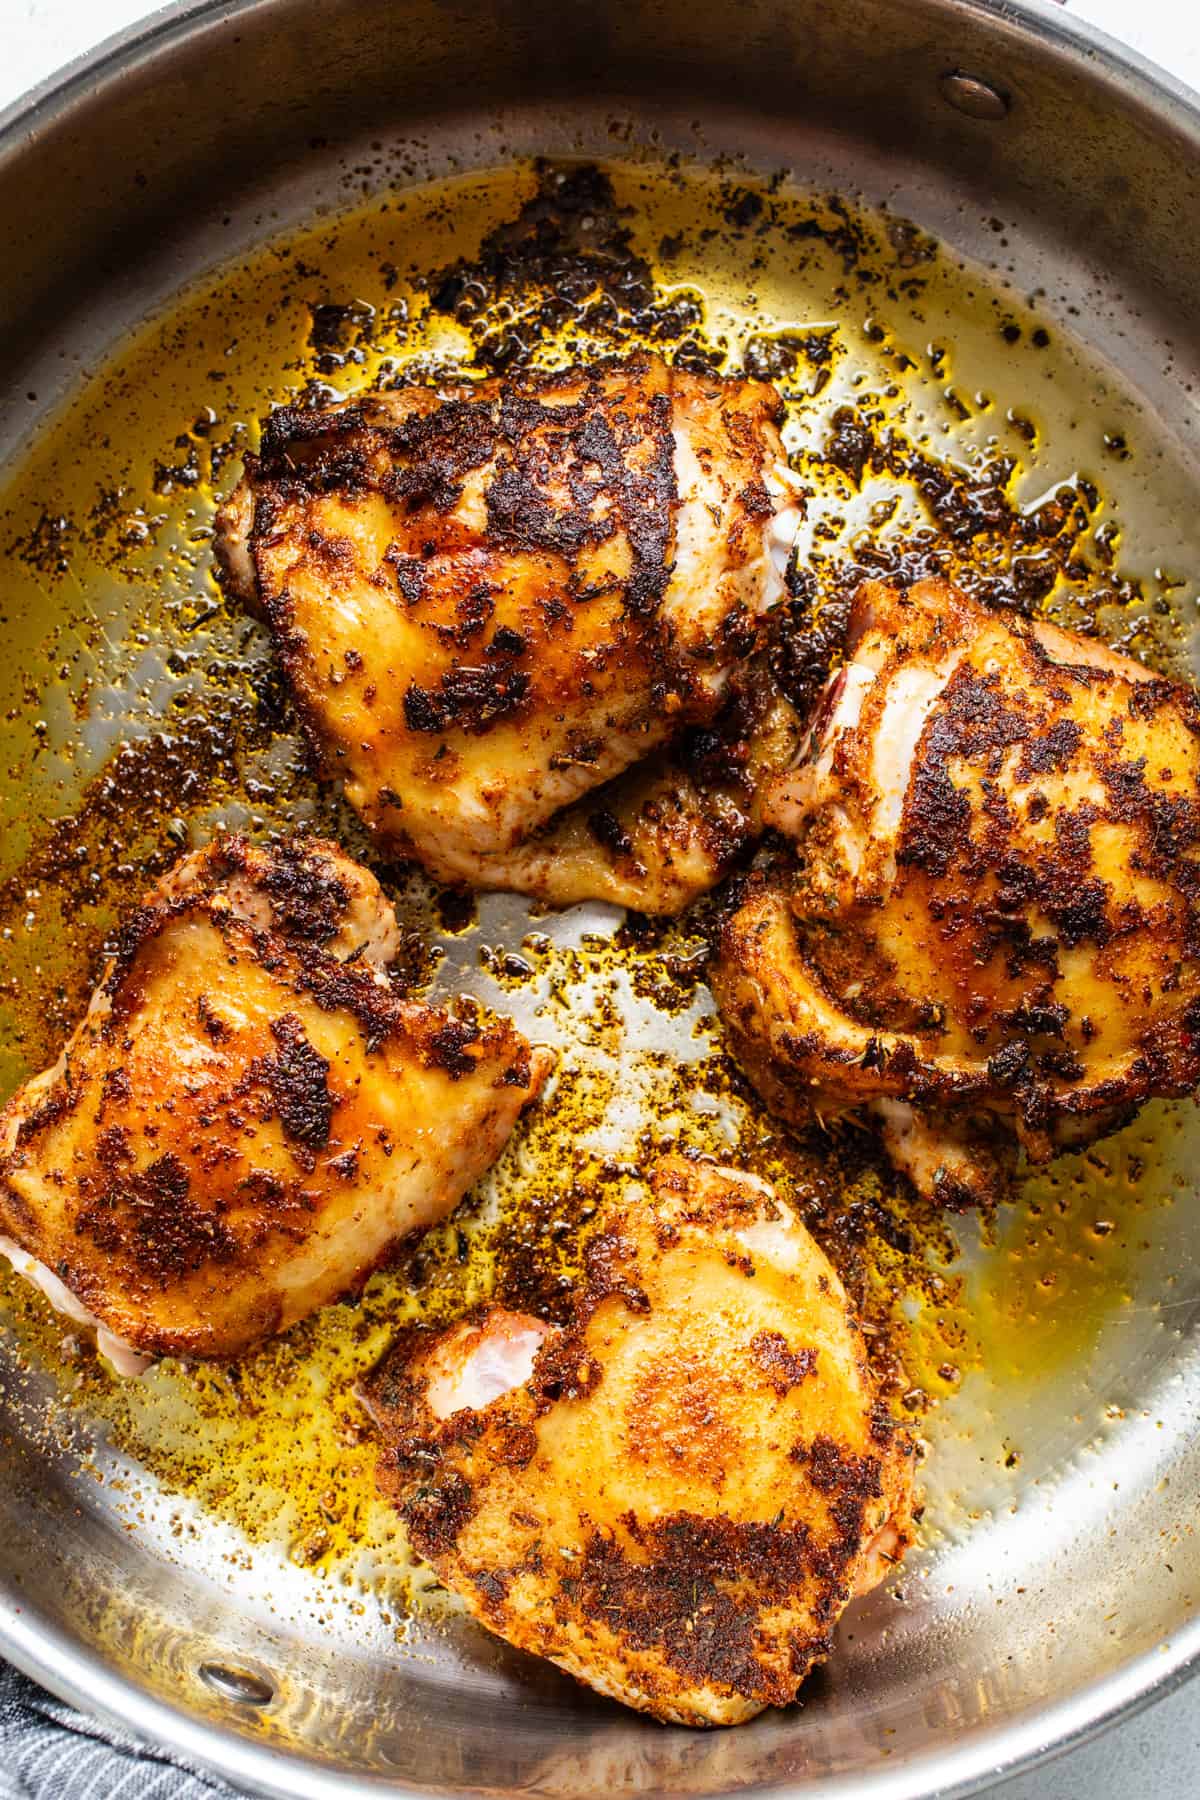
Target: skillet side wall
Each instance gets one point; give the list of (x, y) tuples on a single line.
[(100, 180)]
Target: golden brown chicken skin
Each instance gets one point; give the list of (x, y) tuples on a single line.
[(991, 932), (250, 1118), (488, 600), (674, 1496), (675, 824)]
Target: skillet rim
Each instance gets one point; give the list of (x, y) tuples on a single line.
[(43, 1651)]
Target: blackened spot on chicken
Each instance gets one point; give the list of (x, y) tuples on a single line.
[(1145, 698), (449, 1044), (113, 1149), (542, 444), (609, 832), (432, 453), (345, 986), (1172, 823), (471, 699), (973, 723), (307, 451), (784, 1368), (564, 1369), (1126, 786), (936, 815), (436, 1513), (555, 612), (331, 553), (116, 1089), (517, 1071), (589, 447), (46, 1114), (308, 897), (1062, 1062), (421, 711), (695, 1591), (506, 642), (263, 1189), (290, 432), (409, 572), (471, 614), (756, 500), (1081, 913), (516, 1446), (216, 1029), (739, 633), (1009, 1067), (833, 1469), (124, 945), (1051, 751), (492, 1586), (150, 1218), (1039, 1017), (297, 1077)]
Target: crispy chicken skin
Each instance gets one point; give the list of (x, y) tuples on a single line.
[(993, 928), (250, 1118), (490, 599), (674, 1496)]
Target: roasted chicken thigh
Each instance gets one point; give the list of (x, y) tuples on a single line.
[(992, 930), (488, 600), (674, 1496), (249, 1118)]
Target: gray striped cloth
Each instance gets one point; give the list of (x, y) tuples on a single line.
[(49, 1751)]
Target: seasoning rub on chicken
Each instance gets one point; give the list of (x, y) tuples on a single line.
[(490, 599), (250, 1118), (991, 932), (674, 1496)]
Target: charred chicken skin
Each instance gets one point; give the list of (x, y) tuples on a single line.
[(674, 1496), (488, 600), (250, 1118), (992, 930)]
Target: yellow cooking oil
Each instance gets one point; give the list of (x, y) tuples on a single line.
[(933, 415)]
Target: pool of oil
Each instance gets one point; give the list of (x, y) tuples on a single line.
[(938, 421)]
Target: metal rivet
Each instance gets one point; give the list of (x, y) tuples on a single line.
[(968, 94), (242, 1686)]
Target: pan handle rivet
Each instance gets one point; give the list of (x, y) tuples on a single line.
[(968, 94), (242, 1686)]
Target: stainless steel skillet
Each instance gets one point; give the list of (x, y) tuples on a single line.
[(1077, 1592)]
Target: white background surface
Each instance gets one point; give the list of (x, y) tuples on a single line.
[(1155, 1756)]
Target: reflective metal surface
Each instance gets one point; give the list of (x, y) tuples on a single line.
[(1060, 1590)]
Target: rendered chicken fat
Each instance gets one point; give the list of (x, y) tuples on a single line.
[(673, 1495)]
